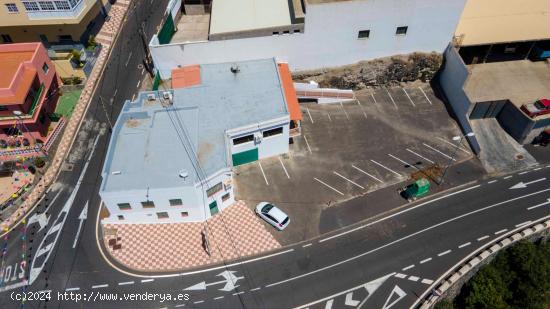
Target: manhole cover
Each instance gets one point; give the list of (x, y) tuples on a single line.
[(140, 66), (519, 157)]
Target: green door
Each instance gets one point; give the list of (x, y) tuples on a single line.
[(245, 157), (213, 208)]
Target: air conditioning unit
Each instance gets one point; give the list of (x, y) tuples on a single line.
[(167, 95), (151, 97)]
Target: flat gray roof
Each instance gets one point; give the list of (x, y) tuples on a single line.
[(152, 143)]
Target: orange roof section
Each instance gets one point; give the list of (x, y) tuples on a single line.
[(11, 61), (186, 77), (290, 92)]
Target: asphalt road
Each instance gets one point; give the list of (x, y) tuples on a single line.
[(383, 264)]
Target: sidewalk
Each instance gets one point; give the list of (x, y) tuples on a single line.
[(106, 37), (234, 233)]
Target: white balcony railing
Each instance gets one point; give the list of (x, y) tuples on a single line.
[(70, 13)]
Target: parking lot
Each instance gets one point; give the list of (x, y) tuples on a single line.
[(350, 149)]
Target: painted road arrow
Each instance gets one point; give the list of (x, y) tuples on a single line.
[(396, 291), (83, 215), (539, 205), (42, 219), (521, 184), (229, 279)]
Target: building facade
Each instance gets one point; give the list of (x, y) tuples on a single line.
[(324, 33), (28, 94), (172, 153), (49, 22)]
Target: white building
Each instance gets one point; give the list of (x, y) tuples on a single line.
[(322, 33), (171, 154)]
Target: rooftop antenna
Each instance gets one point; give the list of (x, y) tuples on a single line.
[(235, 68)]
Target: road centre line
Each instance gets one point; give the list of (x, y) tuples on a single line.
[(413, 278), (133, 97), (310, 118), (405, 91), (261, 169), (373, 98), (420, 156), (284, 168), (128, 60), (408, 267), (219, 297), (126, 283), (147, 280), (350, 181), (307, 144), (447, 142), (139, 82), (464, 245), (444, 253), (238, 293), (180, 305), (362, 171), (501, 231), (198, 302), (523, 223), (396, 158), (328, 186), (306, 245), (342, 105), (387, 168), (255, 289), (483, 237), (523, 173), (508, 177), (398, 213), (429, 101), (73, 289), (440, 152), (492, 181), (353, 258), (391, 98), (142, 71), (99, 286), (425, 260), (537, 169)]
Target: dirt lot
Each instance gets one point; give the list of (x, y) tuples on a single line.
[(350, 149)]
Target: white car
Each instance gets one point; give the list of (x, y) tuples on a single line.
[(272, 215)]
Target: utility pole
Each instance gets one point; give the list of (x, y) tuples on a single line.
[(459, 142)]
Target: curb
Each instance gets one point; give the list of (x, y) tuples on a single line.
[(469, 263)]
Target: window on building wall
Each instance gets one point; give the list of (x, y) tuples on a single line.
[(12, 7), (213, 190), (148, 204), (401, 30), (45, 68), (243, 139), (31, 6), (363, 34), (74, 2), (176, 202), (3, 108), (225, 197), (124, 206), (120, 217), (62, 5), (65, 38), (162, 215), (184, 214), (272, 132), (46, 5), (6, 38)]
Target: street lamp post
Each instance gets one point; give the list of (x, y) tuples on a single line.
[(459, 142)]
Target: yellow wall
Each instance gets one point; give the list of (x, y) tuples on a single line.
[(21, 29), (500, 21)]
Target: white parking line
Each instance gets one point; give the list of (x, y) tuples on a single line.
[(99, 286), (429, 101), (523, 173), (373, 98), (444, 252), (391, 98), (387, 168), (440, 152), (198, 302), (425, 260), (128, 60), (408, 267), (255, 289), (350, 181), (501, 231), (483, 237), (362, 171), (284, 168), (427, 281), (537, 169), (139, 82), (307, 144), (133, 97), (454, 145), (219, 297), (492, 181), (405, 91), (396, 158), (126, 283), (262, 169), (365, 114), (342, 105), (310, 118), (420, 156), (329, 119), (414, 278), (142, 71), (507, 177), (400, 276), (306, 245), (464, 245), (329, 186), (523, 223), (180, 305)]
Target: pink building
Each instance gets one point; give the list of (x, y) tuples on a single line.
[(28, 94)]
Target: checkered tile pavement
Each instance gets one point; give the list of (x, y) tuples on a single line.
[(106, 36), (235, 232)]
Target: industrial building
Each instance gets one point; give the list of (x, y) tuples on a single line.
[(171, 155)]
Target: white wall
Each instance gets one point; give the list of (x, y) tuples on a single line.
[(330, 36)]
